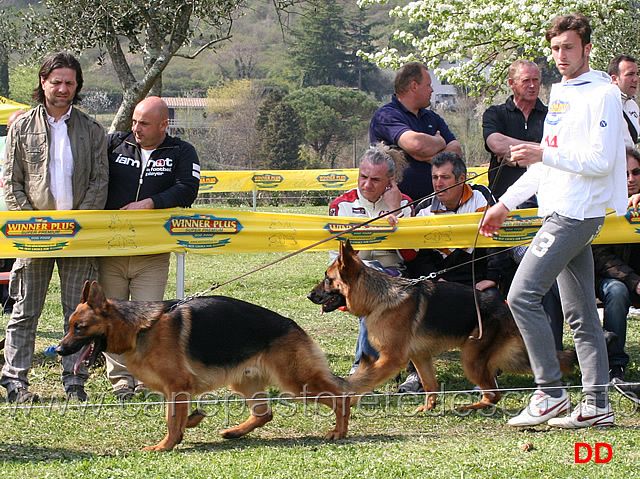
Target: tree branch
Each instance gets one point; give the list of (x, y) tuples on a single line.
[(204, 47)]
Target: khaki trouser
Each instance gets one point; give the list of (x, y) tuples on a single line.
[(138, 278)]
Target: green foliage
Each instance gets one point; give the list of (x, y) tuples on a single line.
[(320, 45), (326, 45), (153, 31), (280, 134), (22, 80), (226, 96), (484, 36), (332, 117)]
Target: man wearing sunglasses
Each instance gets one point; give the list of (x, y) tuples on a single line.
[(617, 270)]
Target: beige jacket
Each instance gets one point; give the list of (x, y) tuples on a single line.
[(26, 169)]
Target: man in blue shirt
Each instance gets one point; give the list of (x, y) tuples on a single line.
[(406, 123)]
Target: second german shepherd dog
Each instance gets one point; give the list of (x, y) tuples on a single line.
[(418, 320), (201, 345)]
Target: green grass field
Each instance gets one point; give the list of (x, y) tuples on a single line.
[(387, 439)]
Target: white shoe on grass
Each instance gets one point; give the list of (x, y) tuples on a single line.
[(585, 415), (541, 408)]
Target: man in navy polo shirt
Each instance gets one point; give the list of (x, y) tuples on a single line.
[(406, 123)]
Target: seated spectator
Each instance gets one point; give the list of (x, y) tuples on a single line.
[(448, 169), (617, 270), (377, 194)]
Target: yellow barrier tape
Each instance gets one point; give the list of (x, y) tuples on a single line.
[(293, 180), (207, 231)]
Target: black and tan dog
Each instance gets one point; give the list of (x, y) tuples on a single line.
[(419, 320), (201, 345)]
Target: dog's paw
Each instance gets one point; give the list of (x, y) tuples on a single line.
[(157, 447), (334, 434), (232, 433)]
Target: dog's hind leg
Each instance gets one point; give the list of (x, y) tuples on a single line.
[(177, 411), (253, 390), (325, 391), (475, 364)]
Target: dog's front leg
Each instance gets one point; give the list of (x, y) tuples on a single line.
[(177, 413), (427, 373), (372, 373)]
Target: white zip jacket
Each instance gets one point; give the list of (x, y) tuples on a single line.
[(583, 168)]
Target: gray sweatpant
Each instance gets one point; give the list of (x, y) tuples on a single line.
[(561, 249)]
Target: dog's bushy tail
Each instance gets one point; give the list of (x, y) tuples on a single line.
[(515, 359), (568, 360)]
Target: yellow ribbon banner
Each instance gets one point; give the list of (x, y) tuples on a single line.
[(207, 231), (294, 180)]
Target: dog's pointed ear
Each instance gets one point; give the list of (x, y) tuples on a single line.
[(347, 254), (96, 297), (85, 291), (346, 251)]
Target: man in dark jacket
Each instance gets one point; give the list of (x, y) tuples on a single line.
[(147, 169), (617, 268)]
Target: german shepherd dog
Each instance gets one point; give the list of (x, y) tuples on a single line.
[(419, 320), (201, 345)]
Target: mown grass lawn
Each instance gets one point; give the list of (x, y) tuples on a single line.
[(386, 439)]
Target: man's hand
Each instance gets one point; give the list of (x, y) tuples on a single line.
[(526, 154), (146, 204), (392, 198), (493, 220), (485, 284), (633, 201)]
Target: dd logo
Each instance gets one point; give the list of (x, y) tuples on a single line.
[(589, 452)]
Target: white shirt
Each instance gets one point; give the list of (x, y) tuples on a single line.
[(583, 166), (630, 108), (61, 164)]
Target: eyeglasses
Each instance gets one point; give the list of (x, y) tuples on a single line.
[(634, 172)]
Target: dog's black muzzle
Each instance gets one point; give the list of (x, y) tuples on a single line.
[(330, 301), (89, 349)]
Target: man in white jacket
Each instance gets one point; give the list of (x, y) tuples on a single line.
[(578, 171)]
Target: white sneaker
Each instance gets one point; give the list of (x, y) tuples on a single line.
[(584, 415), (541, 408)]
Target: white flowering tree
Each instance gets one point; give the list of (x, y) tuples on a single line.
[(482, 37)]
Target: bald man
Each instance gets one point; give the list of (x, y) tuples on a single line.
[(147, 169)]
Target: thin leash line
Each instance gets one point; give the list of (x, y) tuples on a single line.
[(222, 401), (435, 274), (473, 262), (317, 243)]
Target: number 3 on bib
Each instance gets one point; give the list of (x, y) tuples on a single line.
[(546, 240)]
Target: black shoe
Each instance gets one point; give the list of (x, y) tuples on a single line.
[(22, 395), (616, 372), (77, 392), (629, 390)]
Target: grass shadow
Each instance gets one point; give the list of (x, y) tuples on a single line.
[(249, 442), (25, 454)]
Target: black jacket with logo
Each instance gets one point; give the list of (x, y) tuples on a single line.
[(171, 177)]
